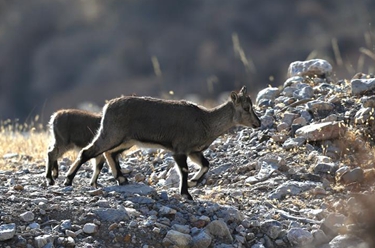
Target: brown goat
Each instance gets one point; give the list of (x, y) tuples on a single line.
[(75, 129), (182, 127)]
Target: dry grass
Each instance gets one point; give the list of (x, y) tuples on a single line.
[(355, 151), (25, 141)]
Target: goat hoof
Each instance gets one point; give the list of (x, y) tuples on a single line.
[(94, 185), (67, 182), (187, 196), (50, 181), (122, 181)]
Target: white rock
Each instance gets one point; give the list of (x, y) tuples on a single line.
[(312, 68), (173, 178), (292, 188), (265, 171), (90, 228), (269, 93), (321, 131), (7, 231), (291, 143)]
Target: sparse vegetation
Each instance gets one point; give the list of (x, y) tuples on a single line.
[(20, 142)]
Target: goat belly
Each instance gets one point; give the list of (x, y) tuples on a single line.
[(152, 144)]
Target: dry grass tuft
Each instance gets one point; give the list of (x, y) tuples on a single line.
[(23, 140), (355, 151)]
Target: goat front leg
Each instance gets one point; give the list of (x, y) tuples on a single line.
[(52, 167), (184, 171), (198, 158)]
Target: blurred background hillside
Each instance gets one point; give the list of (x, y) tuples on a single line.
[(57, 54)]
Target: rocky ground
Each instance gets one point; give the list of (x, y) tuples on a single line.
[(305, 179)]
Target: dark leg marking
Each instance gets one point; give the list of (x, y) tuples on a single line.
[(183, 169)]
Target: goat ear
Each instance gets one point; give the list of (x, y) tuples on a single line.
[(234, 97), (243, 90)]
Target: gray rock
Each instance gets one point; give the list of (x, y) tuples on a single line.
[(355, 175), (222, 168), (332, 223), (265, 171), (341, 171), (269, 93), (300, 237), (201, 240), (322, 167), (44, 241), (347, 241), (111, 215), (291, 143), (181, 228), (289, 91), (305, 93), (220, 231), (164, 210), (142, 200), (368, 101), (272, 228), (318, 105), (34, 225), (292, 188), (7, 231), (27, 216), (267, 121), (258, 245), (300, 121), (178, 239), (90, 228), (321, 131), (66, 225), (292, 81), (360, 86), (319, 237), (311, 68), (140, 189), (288, 118)]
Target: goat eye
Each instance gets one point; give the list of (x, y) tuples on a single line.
[(246, 109)]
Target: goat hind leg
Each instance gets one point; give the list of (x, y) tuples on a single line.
[(199, 159), (113, 162), (99, 162), (87, 153)]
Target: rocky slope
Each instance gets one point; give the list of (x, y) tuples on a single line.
[(305, 179)]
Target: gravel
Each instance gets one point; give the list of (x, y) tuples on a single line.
[(265, 187)]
